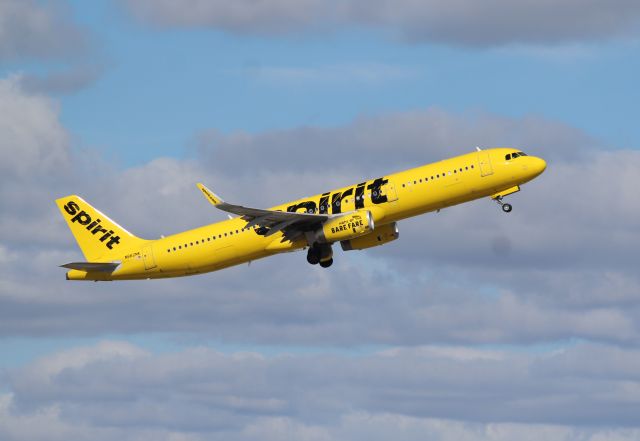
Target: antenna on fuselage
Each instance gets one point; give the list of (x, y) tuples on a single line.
[(478, 149)]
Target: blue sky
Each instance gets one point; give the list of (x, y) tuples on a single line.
[(474, 325), (197, 79)]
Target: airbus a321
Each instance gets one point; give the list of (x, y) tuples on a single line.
[(359, 217)]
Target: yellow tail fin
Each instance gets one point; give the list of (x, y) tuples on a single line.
[(99, 237)]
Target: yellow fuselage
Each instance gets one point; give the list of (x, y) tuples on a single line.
[(391, 198)]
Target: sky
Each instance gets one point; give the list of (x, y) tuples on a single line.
[(474, 325)]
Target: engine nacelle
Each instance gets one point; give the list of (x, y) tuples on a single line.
[(346, 227), (384, 234)]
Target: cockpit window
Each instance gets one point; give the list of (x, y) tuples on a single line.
[(514, 155)]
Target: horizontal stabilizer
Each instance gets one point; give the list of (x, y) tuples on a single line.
[(103, 267)]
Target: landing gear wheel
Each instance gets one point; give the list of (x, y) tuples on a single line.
[(313, 256), (326, 263), (505, 207)]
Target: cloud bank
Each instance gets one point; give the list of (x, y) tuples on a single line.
[(460, 23), (39, 30), (115, 389), (559, 269)]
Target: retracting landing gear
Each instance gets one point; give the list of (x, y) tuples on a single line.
[(313, 255), (320, 254), (326, 263), (505, 207)]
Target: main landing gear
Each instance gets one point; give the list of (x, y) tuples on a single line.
[(320, 254), (505, 207)]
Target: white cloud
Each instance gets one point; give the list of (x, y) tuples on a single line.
[(63, 82), (567, 394), (33, 141), (556, 268), (463, 22), (31, 29)]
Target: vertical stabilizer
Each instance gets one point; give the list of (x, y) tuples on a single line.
[(99, 237)]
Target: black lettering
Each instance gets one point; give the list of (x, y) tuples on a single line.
[(104, 236), (71, 208), (324, 203), (112, 241), (93, 224), (82, 218), (376, 191), (309, 207), (360, 195), (336, 200), (98, 229)]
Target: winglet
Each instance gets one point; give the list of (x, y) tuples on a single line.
[(211, 196)]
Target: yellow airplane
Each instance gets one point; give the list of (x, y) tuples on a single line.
[(359, 216)]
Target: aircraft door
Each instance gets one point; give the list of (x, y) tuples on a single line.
[(485, 163), (389, 189), (147, 256)]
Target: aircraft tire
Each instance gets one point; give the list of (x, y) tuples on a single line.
[(326, 263), (507, 208), (313, 256)]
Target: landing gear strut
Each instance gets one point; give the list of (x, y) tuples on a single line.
[(320, 254), (505, 207)]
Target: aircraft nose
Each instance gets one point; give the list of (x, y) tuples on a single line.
[(539, 165)]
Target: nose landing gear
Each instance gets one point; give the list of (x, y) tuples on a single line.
[(505, 207)]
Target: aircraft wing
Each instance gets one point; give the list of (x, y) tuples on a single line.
[(274, 220)]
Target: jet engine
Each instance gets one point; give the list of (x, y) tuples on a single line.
[(348, 226), (383, 234)]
